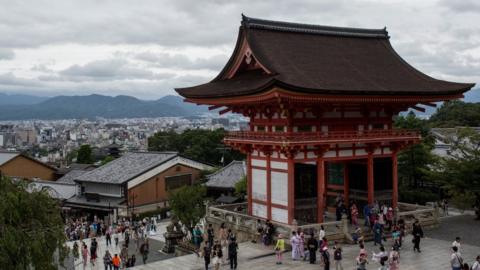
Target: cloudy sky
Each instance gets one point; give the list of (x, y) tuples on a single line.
[(146, 48)]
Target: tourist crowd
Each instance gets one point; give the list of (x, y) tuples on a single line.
[(128, 232)]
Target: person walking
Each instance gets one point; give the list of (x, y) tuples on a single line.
[(93, 251), (394, 259), (295, 242), (279, 248), (232, 253), (108, 237), (197, 237), (206, 254), (456, 260), (417, 233), (116, 237), (366, 215), (144, 250), (377, 233), (210, 235), (337, 257), (456, 243), (107, 260), (84, 255), (326, 258), (312, 246), (217, 256), (476, 264), (362, 261), (354, 214), (124, 255), (116, 262)]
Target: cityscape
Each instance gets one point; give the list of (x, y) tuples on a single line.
[(240, 135)]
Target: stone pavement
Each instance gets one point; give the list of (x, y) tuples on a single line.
[(435, 255), (464, 226)]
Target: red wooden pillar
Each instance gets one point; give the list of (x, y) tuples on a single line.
[(249, 182), (394, 180), (371, 183), (291, 189), (320, 188), (346, 184), (269, 186)]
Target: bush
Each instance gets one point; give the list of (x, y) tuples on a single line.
[(418, 196)]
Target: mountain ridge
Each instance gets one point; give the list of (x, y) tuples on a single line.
[(94, 105)]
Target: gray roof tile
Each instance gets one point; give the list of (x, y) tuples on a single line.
[(227, 176)]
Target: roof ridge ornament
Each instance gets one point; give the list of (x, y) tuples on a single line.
[(254, 23)]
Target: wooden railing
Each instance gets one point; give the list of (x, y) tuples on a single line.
[(324, 137)]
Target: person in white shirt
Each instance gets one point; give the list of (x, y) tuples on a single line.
[(456, 260), (476, 264), (456, 243)]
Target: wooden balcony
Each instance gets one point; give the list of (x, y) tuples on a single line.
[(319, 138)]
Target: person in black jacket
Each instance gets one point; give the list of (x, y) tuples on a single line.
[(232, 253), (312, 246), (417, 235), (206, 253)]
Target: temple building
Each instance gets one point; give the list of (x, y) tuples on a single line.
[(321, 102)]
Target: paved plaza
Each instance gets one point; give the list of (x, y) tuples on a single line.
[(435, 255), (435, 251)]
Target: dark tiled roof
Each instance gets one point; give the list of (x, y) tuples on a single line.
[(69, 178), (321, 60), (126, 167), (228, 176)]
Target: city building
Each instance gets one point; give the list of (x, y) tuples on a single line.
[(21, 166), (320, 101), (134, 183)]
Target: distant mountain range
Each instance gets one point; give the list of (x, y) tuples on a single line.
[(16, 107), (24, 107)]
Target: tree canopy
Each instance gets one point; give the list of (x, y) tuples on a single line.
[(84, 154), (187, 203), (456, 113), (198, 144), (459, 173), (31, 227)]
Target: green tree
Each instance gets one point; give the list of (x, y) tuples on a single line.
[(198, 144), (187, 203), (84, 154), (31, 227), (459, 173), (107, 159), (241, 187), (456, 113), (414, 162)]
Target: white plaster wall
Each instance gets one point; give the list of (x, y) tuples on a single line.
[(259, 210), (345, 153), (279, 215), (387, 150), (279, 186), (377, 151), (330, 154), (332, 114), (360, 152), (300, 155), (279, 165), (259, 185), (259, 162), (311, 154)]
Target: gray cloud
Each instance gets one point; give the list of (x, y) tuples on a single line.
[(110, 69), (6, 54), (462, 6), (168, 60), (439, 37)]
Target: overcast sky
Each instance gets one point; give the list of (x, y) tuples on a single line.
[(146, 48)]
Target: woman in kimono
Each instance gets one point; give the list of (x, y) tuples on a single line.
[(295, 242)]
